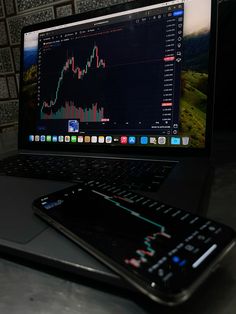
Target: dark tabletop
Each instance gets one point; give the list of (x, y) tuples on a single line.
[(25, 289)]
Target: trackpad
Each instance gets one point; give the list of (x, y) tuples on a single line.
[(17, 220)]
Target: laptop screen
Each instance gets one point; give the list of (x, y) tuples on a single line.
[(136, 77)]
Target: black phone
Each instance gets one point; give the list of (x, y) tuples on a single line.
[(164, 252)]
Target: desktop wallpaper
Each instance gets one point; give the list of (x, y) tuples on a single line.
[(194, 81), (194, 70)]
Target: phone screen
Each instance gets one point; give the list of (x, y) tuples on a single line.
[(161, 248)]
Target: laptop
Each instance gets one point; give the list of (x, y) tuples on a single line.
[(121, 96)]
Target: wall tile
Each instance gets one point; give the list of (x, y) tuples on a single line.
[(4, 94), (16, 23)]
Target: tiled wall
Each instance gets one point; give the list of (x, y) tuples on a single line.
[(14, 14)]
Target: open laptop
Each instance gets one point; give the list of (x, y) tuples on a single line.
[(104, 96)]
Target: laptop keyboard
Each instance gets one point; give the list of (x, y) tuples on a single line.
[(130, 174)]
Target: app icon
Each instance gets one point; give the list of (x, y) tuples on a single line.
[(73, 126), (108, 139), (61, 138), (144, 140), (162, 140), (42, 138), (94, 139), (87, 139), (54, 138), (36, 138), (73, 139), (31, 138), (153, 140), (123, 140), (67, 139), (185, 140), (175, 140), (132, 139), (48, 138), (116, 139), (101, 139), (80, 139)]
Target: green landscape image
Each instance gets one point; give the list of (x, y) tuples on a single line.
[(193, 104), (194, 88), (30, 82), (194, 75)]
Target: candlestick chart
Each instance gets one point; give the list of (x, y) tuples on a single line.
[(147, 251), (151, 243), (99, 77), (60, 106)]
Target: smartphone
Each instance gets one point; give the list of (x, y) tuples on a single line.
[(164, 252)]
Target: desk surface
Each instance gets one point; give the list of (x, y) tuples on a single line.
[(29, 290)]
